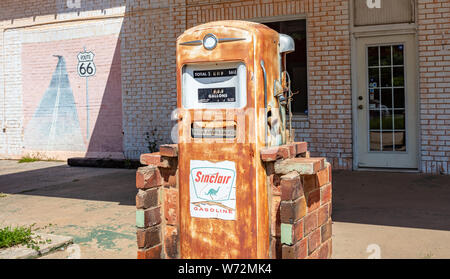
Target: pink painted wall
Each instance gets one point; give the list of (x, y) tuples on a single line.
[(105, 88)]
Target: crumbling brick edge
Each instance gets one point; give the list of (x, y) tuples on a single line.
[(300, 194), (300, 203), (157, 205)]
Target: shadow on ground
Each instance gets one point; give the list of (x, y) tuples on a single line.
[(62, 181), (392, 199)]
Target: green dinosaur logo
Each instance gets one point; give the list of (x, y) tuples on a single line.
[(212, 192)]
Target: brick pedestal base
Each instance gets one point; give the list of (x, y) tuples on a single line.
[(299, 196), (300, 201)]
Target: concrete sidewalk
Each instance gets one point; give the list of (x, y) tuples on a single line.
[(406, 215), (96, 207)]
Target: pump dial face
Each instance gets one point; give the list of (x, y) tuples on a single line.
[(210, 41)]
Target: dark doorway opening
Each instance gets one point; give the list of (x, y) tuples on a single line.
[(296, 61)]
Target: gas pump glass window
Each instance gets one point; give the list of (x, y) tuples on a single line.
[(214, 86)]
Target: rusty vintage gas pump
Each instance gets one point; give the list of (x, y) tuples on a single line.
[(233, 99)]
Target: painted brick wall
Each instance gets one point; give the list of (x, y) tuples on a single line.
[(149, 73), (434, 72), (328, 128), (148, 40), (147, 43), (43, 100)]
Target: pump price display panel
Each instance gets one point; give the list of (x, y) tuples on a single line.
[(215, 73), (214, 85), (210, 95)]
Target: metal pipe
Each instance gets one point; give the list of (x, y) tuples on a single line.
[(265, 99)]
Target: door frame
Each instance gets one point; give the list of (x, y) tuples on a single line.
[(381, 31)]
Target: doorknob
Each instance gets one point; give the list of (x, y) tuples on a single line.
[(360, 98), (360, 107)]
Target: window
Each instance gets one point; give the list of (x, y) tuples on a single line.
[(296, 62), (386, 76)]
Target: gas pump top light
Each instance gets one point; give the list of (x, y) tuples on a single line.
[(210, 41)]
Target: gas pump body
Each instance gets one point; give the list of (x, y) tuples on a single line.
[(227, 111)]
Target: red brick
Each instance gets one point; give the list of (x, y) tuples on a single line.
[(291, 186), (291, 211), (151, 159), (314, 255), (311, 222), (150, 253), (171, 242), (148, 177), (300, 147), (148, 237), (270, 168), (313, 200), (309, 183), (302, 165), (284, 152), (171, 206), (274, 181), (326, 231), (155, 159), (325, 194), (298, 231), (324, 214), (323, 177), (169, 177), (324, 250), (292, 150), (329, 172), (275, 220), (298, 251), (148, 198), (152, 216), (313, 241), (269, 154), (169, 150)]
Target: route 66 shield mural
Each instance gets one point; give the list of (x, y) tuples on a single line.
[(212, 188)]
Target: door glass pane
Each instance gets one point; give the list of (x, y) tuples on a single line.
[(387, 120), (399, 76), (373, 56), (386, 98), (374, 98), (388, 141), (399, 98), (386, 94), (375, 140), (375, 120), (399, 119), (397, 54), (374, 77), (385, 56), (386, 77), (400, 141)]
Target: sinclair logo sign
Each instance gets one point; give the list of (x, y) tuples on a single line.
[(212, 189)]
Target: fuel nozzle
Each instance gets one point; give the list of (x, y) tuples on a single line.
[(278, 92), (282, 100)]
